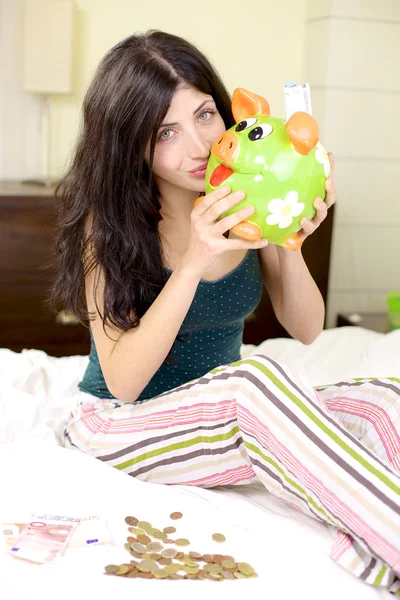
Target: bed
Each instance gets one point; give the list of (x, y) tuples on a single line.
[(289, 551)]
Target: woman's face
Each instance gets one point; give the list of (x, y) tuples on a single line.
[(184, 139)]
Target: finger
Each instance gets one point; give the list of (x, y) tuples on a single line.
[(219, 207), (330, 192), (322, 211), (203, 203), (308, 228), (332, 164), (239, 244), (231, 220)]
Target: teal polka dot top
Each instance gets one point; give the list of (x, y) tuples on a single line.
[(212, 332)]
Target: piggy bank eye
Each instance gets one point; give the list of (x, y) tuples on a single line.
[(260, 132), (246, 124)]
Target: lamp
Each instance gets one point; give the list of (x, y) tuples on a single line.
[(46, 62)]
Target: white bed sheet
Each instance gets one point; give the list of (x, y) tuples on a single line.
[(289, 551)]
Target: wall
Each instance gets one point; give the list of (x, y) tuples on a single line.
[(352, 62), (259, 47)]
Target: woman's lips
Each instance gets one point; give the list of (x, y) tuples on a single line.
[(220, 174)]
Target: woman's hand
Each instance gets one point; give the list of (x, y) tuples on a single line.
[(207, 238), (321, 207)]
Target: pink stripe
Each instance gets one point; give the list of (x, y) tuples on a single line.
[(343, 542), (160, 420), (229, 477), (375, 415), (329, 500)]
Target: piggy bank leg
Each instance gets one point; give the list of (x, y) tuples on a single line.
[(247, 231), (293, 243)]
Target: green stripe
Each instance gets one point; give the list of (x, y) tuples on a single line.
[(333, 436), (380, 575), (290, 481), (204, 439)]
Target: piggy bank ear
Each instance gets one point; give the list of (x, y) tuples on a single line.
[(303, 131), (245, 104)]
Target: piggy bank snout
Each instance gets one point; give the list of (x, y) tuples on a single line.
[(226, 147)]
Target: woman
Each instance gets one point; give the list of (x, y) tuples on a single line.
[(165, 291)]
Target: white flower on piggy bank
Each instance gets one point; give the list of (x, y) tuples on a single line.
[(283, 211)]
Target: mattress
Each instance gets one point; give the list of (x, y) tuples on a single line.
[(288, 550)]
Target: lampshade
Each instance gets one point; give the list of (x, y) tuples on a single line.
[(47, 46)]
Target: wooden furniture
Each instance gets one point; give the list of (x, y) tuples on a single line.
[(27, 227), (374, 321)]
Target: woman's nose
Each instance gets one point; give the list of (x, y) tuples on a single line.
[(197, 146)]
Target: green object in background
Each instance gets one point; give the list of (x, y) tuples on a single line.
[(393, 308)]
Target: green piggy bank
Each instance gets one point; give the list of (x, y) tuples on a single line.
[(280, 165)]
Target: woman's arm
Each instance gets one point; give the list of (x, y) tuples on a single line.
[(129, 359), (295, 297)]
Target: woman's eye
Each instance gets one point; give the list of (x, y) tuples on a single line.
[(165, 135), (208, 114)]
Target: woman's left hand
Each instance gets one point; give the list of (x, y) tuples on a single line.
[(321, 207)]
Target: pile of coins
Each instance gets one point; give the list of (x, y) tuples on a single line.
[(153, 561)]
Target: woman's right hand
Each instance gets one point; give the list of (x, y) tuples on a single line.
[(207, 239)]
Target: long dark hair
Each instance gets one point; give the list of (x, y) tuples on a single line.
[(109, 180)]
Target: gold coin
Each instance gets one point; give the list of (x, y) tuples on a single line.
[(191, 570), (239, 575), (136, 530), (138, 548), (159, 573), (175, 576), (143, 539), (169, 529), (112, 569), (218, 537), (172, 568), (216, 576), (158, 535), (146, 566), (144, 525), (182, 542), (230, 565), (154, 547), (211, 568), (176, 515), (124, 569), (169, 553), (245, 568), (132, 521)]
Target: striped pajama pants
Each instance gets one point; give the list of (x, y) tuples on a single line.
[(332, 452)]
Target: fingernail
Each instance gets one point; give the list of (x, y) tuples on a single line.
[(319, 202)]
